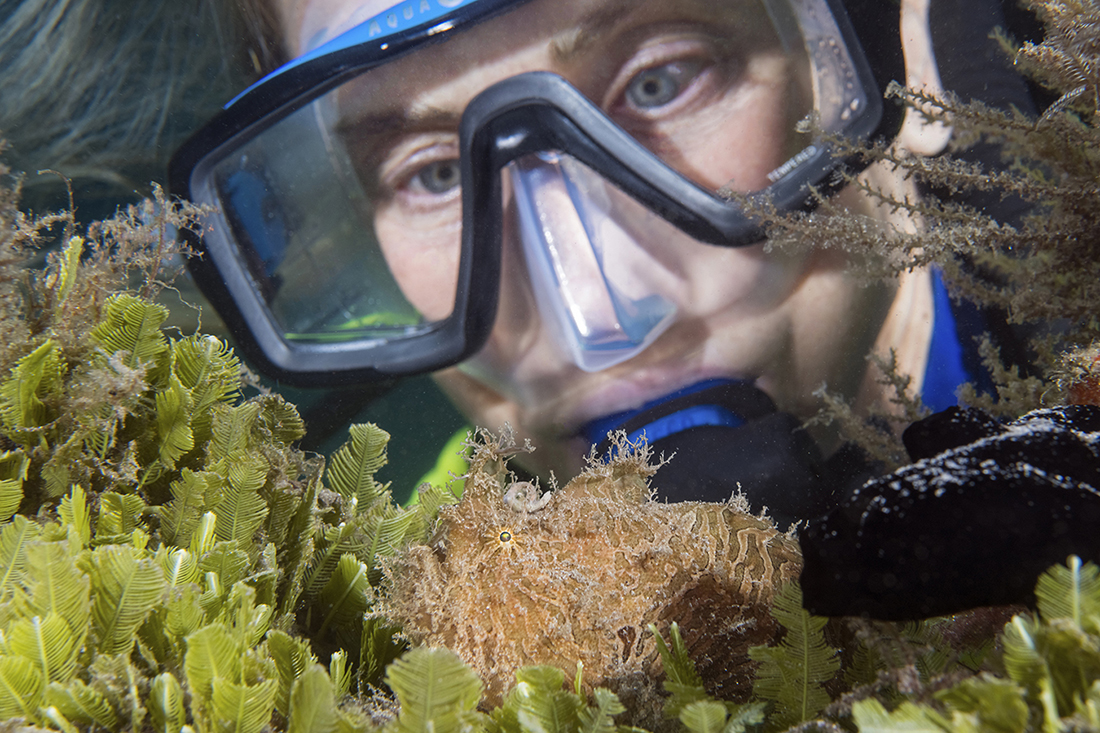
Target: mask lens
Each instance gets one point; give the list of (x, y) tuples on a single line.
[(347, 214), (306, 229)]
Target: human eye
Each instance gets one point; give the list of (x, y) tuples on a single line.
[(437, 177), (658, 86), (667, 77), (422, 174)]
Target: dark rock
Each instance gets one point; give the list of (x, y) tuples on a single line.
[(945, 430), (972, 526)]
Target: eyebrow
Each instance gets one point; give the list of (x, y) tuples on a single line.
[(592, 27), (587, 32), (398, 122), (369, 137)]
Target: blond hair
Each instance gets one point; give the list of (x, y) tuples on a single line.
[(106, 90)]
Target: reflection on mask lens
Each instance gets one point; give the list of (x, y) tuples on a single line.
[(304, 228)]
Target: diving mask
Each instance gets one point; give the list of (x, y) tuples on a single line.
[(364, 192)]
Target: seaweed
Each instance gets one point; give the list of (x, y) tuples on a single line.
[(688, 700), (1040, 271), (792, 673), (1051, 670), (164, 544), (170, 560)]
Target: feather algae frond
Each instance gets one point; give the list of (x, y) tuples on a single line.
[(792, 673)]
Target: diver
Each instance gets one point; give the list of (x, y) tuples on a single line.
[(540, 203)]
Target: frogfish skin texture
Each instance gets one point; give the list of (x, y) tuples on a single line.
[(512, 578)]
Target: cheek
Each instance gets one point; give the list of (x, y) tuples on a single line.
[(737, 143), (746, 281), (425, 270)]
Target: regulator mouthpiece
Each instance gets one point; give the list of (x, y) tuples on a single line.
[(591, 278)]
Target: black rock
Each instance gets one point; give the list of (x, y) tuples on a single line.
[(949, 429), (972, 526)]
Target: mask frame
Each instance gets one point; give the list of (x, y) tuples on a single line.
[(528, 113)]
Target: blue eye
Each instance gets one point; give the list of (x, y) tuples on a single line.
[(659, 85), (439, 177)]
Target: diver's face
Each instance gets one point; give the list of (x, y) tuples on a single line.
[(713, 94)]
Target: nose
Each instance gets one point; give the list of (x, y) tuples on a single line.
[(590, 277)]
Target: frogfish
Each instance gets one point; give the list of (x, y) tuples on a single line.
[(512, 576)]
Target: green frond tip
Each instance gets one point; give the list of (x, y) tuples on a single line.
[(48, 642), (379, 644), (280, 419), (13, 472), (351, 472), (997, 705), (36, 376), (82, 704), (180, 566), (242, 510), (243, 708), (15, 537), (312, 703), (166, 704), (438, 693), (682, 681), (540, 703), (119, 516), (231, 429), (292, 657), (57, 586), (126, 587), (1022, 658), (131, 326), (21, 687), (174, 410), (208, 368), (1054, 659), (192, 494), (212, 653), (347, 595), (69, 266), (871, 717), (75, 513), (704, 716), (202, 537), (599, 718), (742, 717), (1071, 591), (339, 671), (792, 673)]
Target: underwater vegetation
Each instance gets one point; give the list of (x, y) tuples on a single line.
[(170, 561), (1036, 265), (164, 549)]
